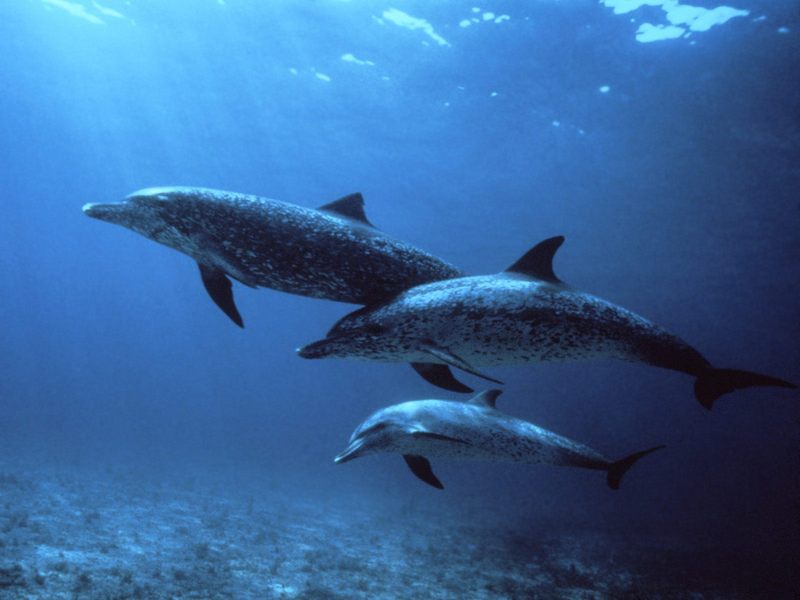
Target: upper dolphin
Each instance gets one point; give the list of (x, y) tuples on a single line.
[(473, 430), (524, 314), (332, 252)]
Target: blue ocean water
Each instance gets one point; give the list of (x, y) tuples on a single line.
[(150, 449)]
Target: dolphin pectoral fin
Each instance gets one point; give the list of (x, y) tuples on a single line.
[(219, 287), (713, 383), (421, 467), (617, 469), (419, 434), (350, 206), (451, 359), (538, 261), (440, 376)]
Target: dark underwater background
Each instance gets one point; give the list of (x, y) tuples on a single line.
[(151, 449)]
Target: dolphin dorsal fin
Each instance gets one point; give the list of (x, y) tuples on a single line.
[(487, 398), (538, 261), (350, 206)]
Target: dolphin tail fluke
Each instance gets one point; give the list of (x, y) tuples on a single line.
[(713, 383), (617, 469)]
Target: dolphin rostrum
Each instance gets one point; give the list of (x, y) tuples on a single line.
[(421, 429), (524, 314), (332, 252)]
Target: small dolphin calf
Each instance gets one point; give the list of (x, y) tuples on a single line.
[(332, 252), (525, 314), (473, 430)]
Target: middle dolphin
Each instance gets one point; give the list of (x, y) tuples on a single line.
[(472, 430), (525, 314)]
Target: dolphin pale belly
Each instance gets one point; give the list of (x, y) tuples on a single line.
[(476, 430), (524, 314), (332, 252)]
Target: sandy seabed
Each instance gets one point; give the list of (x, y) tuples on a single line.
[(76, 533)]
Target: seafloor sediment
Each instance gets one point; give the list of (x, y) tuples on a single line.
[(71, 533)]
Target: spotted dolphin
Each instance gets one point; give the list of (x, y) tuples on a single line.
[(421, 429), (332, 252), (524, 314)]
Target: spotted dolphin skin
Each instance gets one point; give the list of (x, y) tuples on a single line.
[(423, 429), (332, 252), (525, 314)]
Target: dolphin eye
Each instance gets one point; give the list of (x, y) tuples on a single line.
[(374, 429)]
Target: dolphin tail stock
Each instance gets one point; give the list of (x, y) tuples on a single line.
[(713, 383), (618, 468)]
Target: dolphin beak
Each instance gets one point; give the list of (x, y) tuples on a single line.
[(104, 212), (354, 450), (318, 349)]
